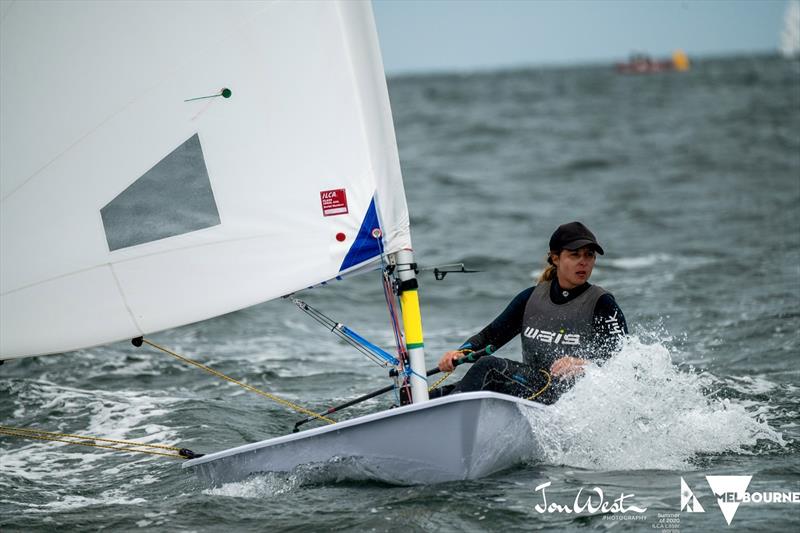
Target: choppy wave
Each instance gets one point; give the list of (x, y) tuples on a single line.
[(56, 467), (640, 411), (682, 262), (632, 263)]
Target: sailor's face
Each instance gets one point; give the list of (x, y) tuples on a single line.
[(574, 266)]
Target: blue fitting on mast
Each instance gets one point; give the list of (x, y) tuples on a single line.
[(379, 352)]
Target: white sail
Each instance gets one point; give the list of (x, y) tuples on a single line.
[(127, 209), (790, 35)]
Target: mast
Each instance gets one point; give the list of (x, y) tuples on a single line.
[(405, 267)]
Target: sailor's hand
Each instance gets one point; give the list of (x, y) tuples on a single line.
[(568, 367), (446, 362)]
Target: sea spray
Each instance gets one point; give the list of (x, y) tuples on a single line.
[(264, 485), (640, 411), (273, 484)]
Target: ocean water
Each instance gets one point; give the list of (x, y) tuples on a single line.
[(691, 182)]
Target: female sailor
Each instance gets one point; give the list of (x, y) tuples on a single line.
[(565, 322)]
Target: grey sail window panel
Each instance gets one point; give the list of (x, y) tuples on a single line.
[(172, 198)]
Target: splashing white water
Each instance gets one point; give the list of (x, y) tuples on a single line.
[(271, 484), (57, 467), (639, 411), (266, 485)]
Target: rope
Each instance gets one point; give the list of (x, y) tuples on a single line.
[(465, 351), (63, 437), (392, 304), (549, 380), (71, 436), (441, 380), (210, 370), (391, 301)]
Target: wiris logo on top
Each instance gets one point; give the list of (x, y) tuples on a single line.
[(730, 492)]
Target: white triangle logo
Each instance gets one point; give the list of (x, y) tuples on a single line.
[(729, 491), (689, 501)]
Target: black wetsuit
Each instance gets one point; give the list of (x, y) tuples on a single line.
[(526, 380)]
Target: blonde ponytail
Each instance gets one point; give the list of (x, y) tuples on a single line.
[(549, 272)]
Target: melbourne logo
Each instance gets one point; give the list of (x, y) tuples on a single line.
[(731, 491), (689, 501)]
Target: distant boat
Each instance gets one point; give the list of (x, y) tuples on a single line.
[(790, 35), (644, 64)]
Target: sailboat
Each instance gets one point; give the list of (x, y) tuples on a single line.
[(164, 163)]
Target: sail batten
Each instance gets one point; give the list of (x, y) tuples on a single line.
[(137, 211)]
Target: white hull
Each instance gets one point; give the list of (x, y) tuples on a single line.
[(464, 436)]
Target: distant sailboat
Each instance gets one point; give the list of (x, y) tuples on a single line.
[(165, 163), (790, 34), (640, 63)]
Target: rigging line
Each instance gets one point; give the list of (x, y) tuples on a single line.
[(285, 403), (361, 349), (79, 443), (388, 295), (440, 381), (375, 350), (398, 333), (394, 314), (71, 436), (410, 372), (371, 351), (391, 305)]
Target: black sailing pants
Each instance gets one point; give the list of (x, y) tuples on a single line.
[(505, 376)]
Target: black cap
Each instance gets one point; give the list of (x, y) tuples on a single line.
[(573, 236)]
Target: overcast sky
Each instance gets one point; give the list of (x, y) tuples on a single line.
[(434, 35)]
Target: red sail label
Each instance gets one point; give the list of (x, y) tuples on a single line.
[(334, 202)]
